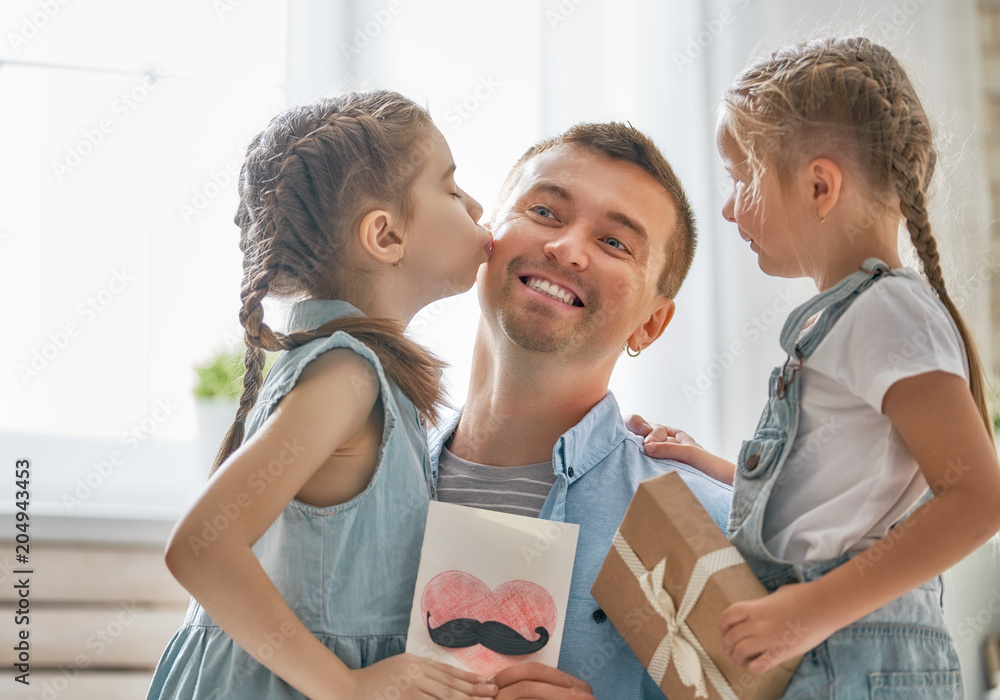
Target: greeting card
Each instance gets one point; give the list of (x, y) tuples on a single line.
[(492, 588)]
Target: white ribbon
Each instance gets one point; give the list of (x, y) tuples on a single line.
[(692, 662)]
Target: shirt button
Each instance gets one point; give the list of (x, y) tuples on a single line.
[(600, 616), (570, 472), (752, 461)]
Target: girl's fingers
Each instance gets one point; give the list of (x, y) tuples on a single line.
[(762, 664), (450, 680), (685, 439), (734, 635), (456, 672), (669, 450), (745, 649), (638, 425), (660, 433), (732, 615)]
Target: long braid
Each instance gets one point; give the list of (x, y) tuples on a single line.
[(302, 186), (911, 184)]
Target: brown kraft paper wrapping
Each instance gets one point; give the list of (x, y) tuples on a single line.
[(666, 521)]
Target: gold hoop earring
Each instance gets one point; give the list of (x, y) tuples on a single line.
[(821, 219), (628, 349)]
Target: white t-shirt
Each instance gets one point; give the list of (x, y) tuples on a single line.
[(849, 476)]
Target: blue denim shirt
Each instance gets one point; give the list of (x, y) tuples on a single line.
[(598, 465)]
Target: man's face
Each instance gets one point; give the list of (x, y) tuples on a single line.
[(579, 247)]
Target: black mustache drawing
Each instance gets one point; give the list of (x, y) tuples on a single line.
[(495, 636)]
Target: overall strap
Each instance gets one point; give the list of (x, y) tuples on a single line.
[(838, 298)]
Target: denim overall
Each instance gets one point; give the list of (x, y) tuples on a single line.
[(901, 650)]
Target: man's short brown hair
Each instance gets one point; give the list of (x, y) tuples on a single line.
[(623, 142)]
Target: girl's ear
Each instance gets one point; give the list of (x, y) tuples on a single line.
[(824, 179), (381, 237)]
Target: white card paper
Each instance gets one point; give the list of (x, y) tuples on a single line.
[(492, 588)]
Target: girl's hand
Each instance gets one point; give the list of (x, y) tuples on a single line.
[(531, 679), (768, 631), (415, 677), (664, 442)]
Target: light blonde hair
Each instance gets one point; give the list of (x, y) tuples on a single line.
[(848, 96), (308, 180)]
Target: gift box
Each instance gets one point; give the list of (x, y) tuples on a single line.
[(664, 584)]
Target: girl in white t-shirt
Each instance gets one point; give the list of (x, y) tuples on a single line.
[(873, 468)]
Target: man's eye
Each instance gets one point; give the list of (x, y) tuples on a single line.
[(543, 211), (615, 243)]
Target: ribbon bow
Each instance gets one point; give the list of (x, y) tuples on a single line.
[(691, 661)]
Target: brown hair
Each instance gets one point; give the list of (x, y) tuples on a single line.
[(624, 142), (850, 97), (307, 181)]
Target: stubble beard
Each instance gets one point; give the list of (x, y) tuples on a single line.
[(525, 324)]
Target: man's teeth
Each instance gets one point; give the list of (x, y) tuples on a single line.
[(553, 290)]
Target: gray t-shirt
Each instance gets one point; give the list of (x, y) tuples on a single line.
[(516, 490)]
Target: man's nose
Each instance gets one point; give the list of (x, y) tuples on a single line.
[(569, 246)]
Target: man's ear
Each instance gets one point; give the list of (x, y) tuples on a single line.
[(824, 178), (653, 327), (381, 237)]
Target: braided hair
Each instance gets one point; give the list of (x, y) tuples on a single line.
[(306, 183), (851, 96)]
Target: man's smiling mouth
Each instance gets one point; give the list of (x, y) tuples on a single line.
[(552, 290)]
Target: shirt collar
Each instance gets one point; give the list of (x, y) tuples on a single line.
[(588, 442), (578, 450), (312, 313)]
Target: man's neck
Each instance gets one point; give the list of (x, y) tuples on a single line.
[(520, 402)]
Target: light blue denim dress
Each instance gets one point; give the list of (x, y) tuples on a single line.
[(348, 571), (903, 649)]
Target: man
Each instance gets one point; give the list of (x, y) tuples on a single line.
[(593, 237)]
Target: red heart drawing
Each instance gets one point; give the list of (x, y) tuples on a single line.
[(521, 605)]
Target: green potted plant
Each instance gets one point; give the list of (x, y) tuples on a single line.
[(219, 387)]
